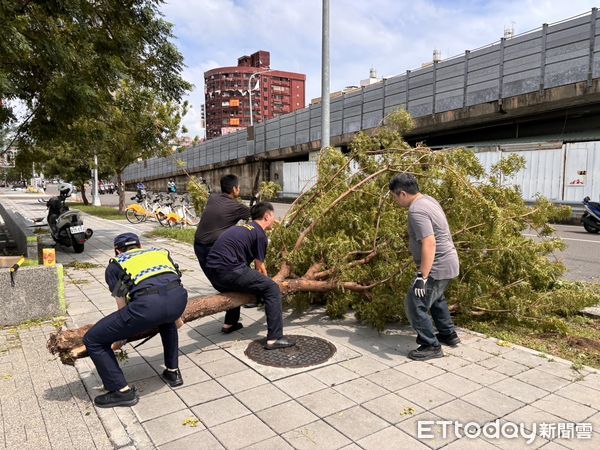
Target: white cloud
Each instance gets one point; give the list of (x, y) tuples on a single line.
[(390, 35)]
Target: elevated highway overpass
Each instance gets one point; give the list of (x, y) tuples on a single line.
[(539, 86)]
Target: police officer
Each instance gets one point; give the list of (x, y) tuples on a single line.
[(146, 285)]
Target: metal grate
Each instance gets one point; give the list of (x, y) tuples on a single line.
[(308, 351)]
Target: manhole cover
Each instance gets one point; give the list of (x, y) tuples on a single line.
[(308, 351)]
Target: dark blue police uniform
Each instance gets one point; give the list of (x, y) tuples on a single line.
[(228, 271), (154, 302)]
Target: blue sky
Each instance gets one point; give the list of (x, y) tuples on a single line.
[(389, 35)]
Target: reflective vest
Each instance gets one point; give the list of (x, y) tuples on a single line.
[(140, 264)]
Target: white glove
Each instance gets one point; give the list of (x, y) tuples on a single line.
[(419, 285)]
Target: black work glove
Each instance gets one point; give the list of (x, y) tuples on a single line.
[(419, 285)]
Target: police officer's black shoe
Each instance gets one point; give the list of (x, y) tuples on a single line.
[(452, 340), (425, 352), (173, 378), (232, 328), (117, 398)]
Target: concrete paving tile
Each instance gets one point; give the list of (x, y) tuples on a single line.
[(286, 416), (208, 356), (519, 390), (192, 375), (425, 395), (562, 369), (525, 358), (504, 366), (170, 427), (360, 390), (493, 401), (356, 422), (316, 436), (393, 408), (579, 444), (423, 428), (235, 434), (529, 415), (591, 380), (564, 408), (299, 385), (543, 380), (470, 444), (262, 397), (199, 440), (152, 406), (388, 437), (467, 352), (202, 392), (448, 362), (454, 384), (222, 367), (392, 379), (219, 411), (242, 381), (465, 411), (419, 370), (478, 374), (326, 402), (364, 365), (274, 443), (138, 372), (333, 375), (582, 394)]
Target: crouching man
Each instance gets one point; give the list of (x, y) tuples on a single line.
[(146, 285)]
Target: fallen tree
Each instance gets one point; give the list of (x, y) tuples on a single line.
[(344, 242)]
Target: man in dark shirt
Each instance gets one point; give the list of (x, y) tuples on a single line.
[(221, 212), (228, 266)]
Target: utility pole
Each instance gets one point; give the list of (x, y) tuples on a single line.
[(325, 130)]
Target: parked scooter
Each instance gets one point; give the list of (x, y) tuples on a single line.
[(591, 216), (66, 226)]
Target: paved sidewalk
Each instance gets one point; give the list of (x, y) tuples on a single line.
[(369, 395)]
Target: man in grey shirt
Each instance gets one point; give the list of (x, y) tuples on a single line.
[(430, 243)]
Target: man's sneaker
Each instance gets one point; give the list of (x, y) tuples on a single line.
[(172, 378), (282, 342), (452, 340), (117, 398), (425, 352)]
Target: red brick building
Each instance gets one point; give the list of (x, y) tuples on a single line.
[(274, 92)]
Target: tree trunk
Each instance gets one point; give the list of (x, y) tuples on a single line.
[(68, 344), (84, 198), (121, 188)]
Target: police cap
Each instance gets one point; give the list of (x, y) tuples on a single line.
[(126, 239)]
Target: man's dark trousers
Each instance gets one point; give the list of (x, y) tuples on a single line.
[(202, 251), (142, 314), (232, 316), (252, 281)]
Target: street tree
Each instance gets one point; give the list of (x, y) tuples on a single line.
[(62, 60), (344, 242), (138, 125)]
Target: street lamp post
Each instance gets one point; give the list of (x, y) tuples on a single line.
[(250, 91), (95, 196)]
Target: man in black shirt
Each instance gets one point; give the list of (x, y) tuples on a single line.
[(221, 212), (228, 266)]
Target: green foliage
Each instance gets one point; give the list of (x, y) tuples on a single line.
[(268, 191), (198, 194), (349, 215), (62, 59)]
